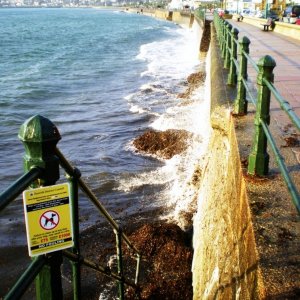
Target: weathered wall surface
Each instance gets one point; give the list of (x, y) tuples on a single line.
[(161, 14), (225, 264), (183, 19)]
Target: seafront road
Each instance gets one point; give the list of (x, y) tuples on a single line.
[(286, 52)]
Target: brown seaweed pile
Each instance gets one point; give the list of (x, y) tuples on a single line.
[(194, 80), (167, 256), (164, 144)]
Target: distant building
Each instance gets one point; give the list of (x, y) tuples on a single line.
[(255, 5)]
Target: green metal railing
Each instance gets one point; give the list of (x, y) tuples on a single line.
[(41, 162), (236, 57), (200, 13)]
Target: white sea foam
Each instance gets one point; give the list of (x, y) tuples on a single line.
[(184, 190), (167, 65), (179, 173), (174, 57), (137, 109), (160, 176)]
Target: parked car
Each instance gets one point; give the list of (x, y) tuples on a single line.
[(292, 11)]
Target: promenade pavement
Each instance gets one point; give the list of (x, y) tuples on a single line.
[(286, 52)]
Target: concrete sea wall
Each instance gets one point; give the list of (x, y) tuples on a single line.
[(184, 19), (225, 263), (239, 253)]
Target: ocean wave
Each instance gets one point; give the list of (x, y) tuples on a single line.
[(137, 109), (159, 176)]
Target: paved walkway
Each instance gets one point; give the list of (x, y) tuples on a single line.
[(286, 52), (278, 260)]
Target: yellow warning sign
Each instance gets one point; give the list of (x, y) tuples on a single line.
[(48, 219)]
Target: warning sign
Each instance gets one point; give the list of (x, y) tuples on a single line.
[(48, 219)]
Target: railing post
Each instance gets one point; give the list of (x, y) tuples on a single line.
[(224, 38), (232, 76), (76, 272), (118, 234), (258, 161), (228, 46), (241, 103), (40, 136), (218, 26)]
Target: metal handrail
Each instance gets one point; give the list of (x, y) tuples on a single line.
[(253, 63), (70, 170), (280, 161), (106, 271), (117, 230), (265, 79), (285, 105), (12, 192), (27, 278), (44, 170), (236, 63), (253, 100)]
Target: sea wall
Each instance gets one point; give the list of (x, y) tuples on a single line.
[(225, 263), (187, 20), (239, 253), (184, 19), (225, 260)]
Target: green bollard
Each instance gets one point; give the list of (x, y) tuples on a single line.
[(232, 76), (241, 103), (258, 160), (40, 136), (228, 46)]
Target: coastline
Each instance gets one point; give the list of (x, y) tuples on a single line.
[(91, 241), (99, 239)]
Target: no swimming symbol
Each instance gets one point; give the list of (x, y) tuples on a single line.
[(49, 220)]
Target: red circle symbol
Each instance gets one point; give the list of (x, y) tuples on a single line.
[(49, 220)]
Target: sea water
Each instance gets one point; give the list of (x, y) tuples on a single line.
[(103, 77)]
